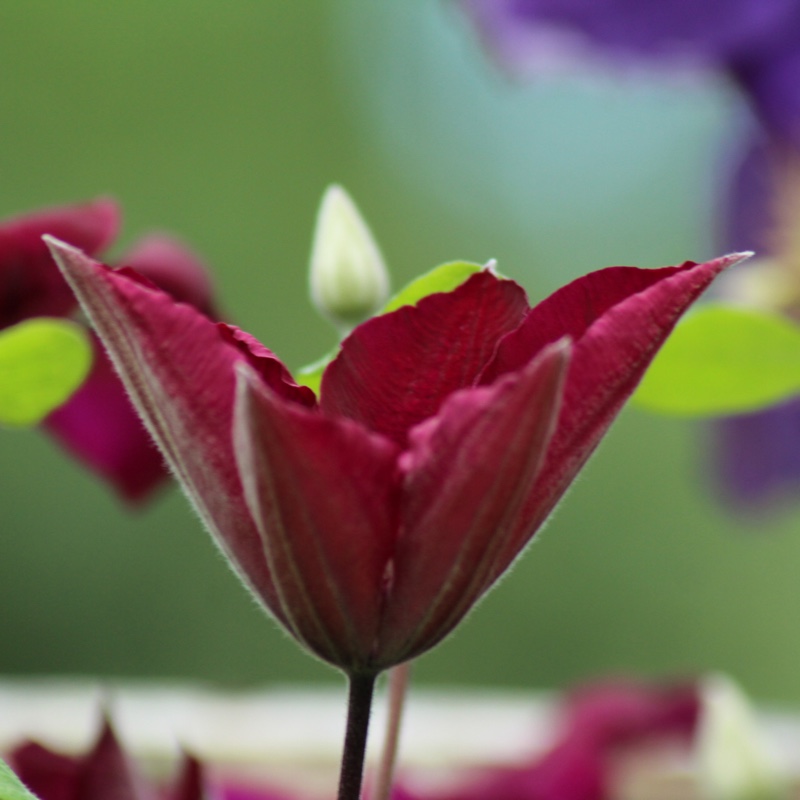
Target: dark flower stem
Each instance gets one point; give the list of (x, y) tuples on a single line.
[(359, 703), (399, 677)]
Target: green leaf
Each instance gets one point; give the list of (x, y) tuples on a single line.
[(311, 374), (11, 787), (723, 360), (42, 362), (443, 278)]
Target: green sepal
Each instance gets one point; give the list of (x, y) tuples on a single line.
[(723, 360), (42, 362)]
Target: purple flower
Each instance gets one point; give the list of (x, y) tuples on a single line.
[(756, 456), (756, 42)]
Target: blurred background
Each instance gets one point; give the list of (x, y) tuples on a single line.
[(223, 123)]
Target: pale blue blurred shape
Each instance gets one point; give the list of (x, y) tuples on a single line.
[(584, 167)]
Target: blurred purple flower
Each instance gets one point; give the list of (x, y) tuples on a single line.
[(756, 42), (98, 424), (756, 456)]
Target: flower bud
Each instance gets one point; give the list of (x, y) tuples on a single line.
[(733, 760), (349, 280)]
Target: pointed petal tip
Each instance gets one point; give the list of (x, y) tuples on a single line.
[(334, 190), (563, 345), (67, 257), (72, 261), (735, 258), (59, 248), (491, 266), (559, 352)]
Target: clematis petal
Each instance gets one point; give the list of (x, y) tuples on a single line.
[(267, 364), (49, 775), (323, 492), (104, 772), (191, 782), (30, 285), (99, 426), (618, 317), (179, 372), (108, 773), (618, 711), (174, 268), (467, 474), (395, 370), (602, 721)]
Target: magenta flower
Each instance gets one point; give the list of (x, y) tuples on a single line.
[(98, 424), (369, 520), (601, 721)]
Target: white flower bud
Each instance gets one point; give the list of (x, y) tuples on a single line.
[(349, 280), (734, 762)]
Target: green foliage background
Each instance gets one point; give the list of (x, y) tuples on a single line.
[(223, 122)]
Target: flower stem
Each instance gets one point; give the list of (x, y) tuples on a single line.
[(359, 703), (398, 689)]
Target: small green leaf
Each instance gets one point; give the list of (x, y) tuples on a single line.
[(11, 787), (311, 374), (42, 362), (443, 278), (723, 360)]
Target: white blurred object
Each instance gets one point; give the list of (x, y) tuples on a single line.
[(735, 758), (274, 726)]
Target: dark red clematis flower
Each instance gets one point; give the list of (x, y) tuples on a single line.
[(98, 425), (29, 286), (370, 520), (107, 772)]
